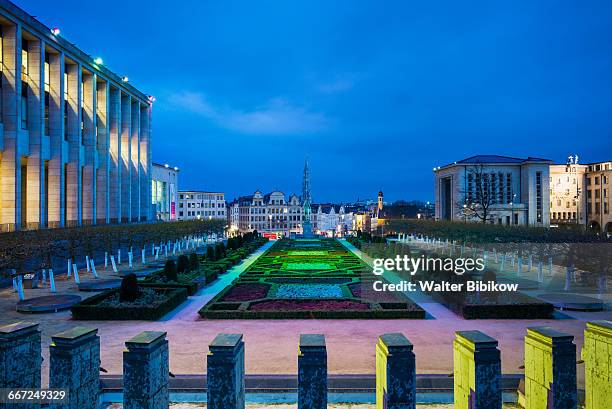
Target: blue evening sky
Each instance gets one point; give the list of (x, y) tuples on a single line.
[(374, 93)]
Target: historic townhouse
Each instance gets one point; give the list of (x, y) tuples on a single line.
[(75, 138), (270, 213)]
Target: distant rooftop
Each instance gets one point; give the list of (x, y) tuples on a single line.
[(496, 159)]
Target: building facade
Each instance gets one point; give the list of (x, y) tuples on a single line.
[(332, 220), (495, 189), (75, 138), (271, 213), (598, 186), (196, 204), (580, 194), (164, 191), (567, 197)]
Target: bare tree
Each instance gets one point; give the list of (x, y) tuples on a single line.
[(479, 194)]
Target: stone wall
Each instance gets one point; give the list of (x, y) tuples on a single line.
[(550, 369)]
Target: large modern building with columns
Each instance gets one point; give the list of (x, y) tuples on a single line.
[(75, 138)]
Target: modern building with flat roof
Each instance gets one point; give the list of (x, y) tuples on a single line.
[(200, 205), (164, 191), (75, 138), (494, 189)]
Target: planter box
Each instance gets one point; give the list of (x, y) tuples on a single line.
[(521, 307), (90, 310), (153, 280)]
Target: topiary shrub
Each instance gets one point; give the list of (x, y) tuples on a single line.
[(128, 292), (210, 253), (194, 262), (170, 270), (220, 250), (182, 264)]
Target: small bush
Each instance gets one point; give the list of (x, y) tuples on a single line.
[(220, 250), (210, 253), (182, 264), (194, 262), (129, 288), (170, 271)]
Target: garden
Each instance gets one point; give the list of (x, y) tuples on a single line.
[(35, 250), (164, 290), (469, 305), (307, 278)]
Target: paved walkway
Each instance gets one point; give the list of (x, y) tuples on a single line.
[(271, 345)]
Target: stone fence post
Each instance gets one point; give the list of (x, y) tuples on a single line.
[(395, 373), (74, 364), (146, 371), (312, 372), (477, 371), (597, 355), (550, 369), (20, 359), (225, 372)]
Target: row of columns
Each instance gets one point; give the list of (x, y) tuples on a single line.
[(79, 152), (550, 369)]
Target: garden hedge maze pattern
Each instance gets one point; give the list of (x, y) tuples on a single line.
[(308, 278)]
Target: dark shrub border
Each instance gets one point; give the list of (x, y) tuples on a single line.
[(211, 313), (89, 309)]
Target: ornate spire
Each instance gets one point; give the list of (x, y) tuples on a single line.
[(306, 201), (306, 197)]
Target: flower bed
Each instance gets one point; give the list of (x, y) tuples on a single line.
[(246, 292), (309, 305), (151, 305), (291, 281), (308, 291)]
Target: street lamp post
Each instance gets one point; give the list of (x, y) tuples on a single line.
[(512, 206)]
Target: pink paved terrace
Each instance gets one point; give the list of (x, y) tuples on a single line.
[(271, 345)]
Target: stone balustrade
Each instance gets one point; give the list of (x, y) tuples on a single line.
[(550, 369)]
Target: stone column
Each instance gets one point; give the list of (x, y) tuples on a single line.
[(74, 364), (312, 372), (146, 371), (125, 158), (145, 162), (58, 144), (395, 373), (103, 146), (75, 145), (20, 359), (115, 155), (477, 371), (39, 144), (90, 148), (10, 161), (135, 159), (225, 372), (550, 369), (597, 355)]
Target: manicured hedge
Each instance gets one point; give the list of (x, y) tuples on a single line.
[(207, 272), (213, 313), (89, 309), (492, 233)]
